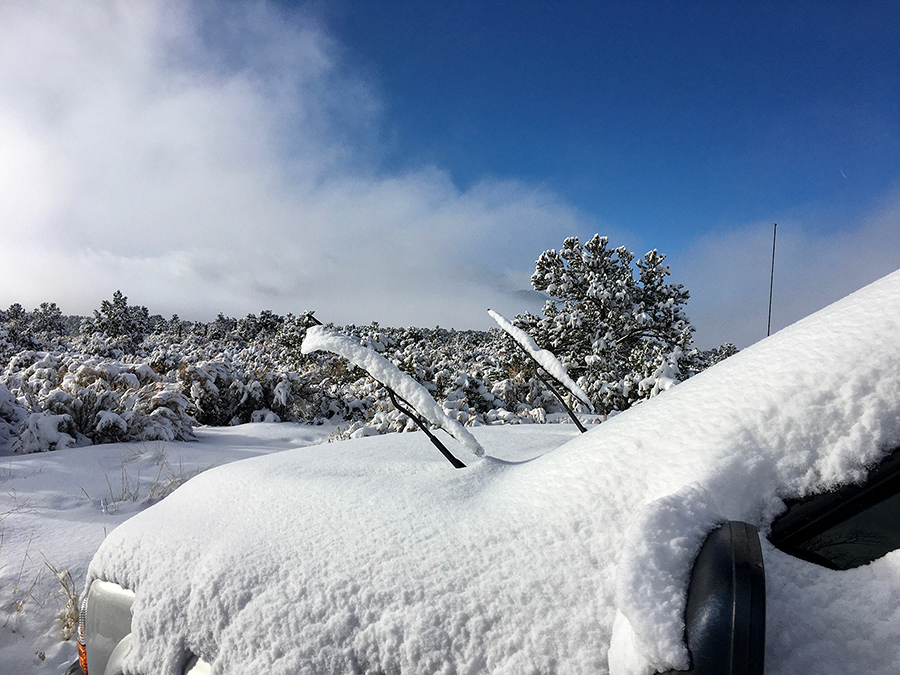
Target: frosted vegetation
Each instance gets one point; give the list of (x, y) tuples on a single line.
[(126, 375)]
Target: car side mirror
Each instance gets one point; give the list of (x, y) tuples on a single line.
[(725, 617)]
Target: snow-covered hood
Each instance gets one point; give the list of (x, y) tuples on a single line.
[(374, 555)]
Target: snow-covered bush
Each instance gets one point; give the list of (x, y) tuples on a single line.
[(44, 431), (11, 417), (128, 375), (66, 398), (159, 412), (107, 388), (233, 388), (208, 384), (17, 332), (710, 357)]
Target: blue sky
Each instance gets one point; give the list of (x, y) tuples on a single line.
[(665, 119), (407, 162)]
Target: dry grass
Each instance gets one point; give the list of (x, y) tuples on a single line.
[(66, 596), (21, 593), (31, 589), (167, 479)]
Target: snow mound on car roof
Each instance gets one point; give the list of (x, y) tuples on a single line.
[(375, 556)]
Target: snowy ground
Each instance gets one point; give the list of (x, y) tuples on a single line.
[(56, 508)]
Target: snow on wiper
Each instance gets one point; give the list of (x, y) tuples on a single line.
[(548, 361), (398, 383)]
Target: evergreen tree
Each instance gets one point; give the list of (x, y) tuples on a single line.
[(710, 357), (15, 332), (48, 320), (175, 326), (623, 336), (119, 320), (221, 328)]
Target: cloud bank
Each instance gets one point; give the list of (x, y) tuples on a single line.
[(207, 160)]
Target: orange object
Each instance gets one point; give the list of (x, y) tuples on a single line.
[(82, 657)]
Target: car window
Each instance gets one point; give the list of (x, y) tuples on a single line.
[(848, 527)]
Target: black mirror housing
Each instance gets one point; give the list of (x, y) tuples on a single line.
[(725, 618)]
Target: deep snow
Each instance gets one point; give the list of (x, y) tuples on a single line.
[(480, 569), (57, 507), (374, 555)]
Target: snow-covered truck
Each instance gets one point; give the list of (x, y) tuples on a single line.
[(745, 520)]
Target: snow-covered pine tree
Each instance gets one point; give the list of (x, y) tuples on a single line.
[(623, 337), (48, 321), (118, 319)]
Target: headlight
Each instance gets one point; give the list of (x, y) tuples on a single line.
[(106, 622)]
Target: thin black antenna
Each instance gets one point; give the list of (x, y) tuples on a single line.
[(772, 280)]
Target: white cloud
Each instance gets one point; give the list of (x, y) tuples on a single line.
[(220, 157), (728, 273), (207, 160)]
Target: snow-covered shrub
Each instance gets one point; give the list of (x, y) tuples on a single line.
[(523, 393), (85, 406), (17, 332), (264, 415), (110, 427), (90, 399), (216, 390), (240, 381), (381, 422), (11, 417), (130, 375), (45, 431), (710, 357), (208, 384), (159, 412)]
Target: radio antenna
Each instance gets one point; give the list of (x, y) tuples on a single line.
[(772, 280)]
